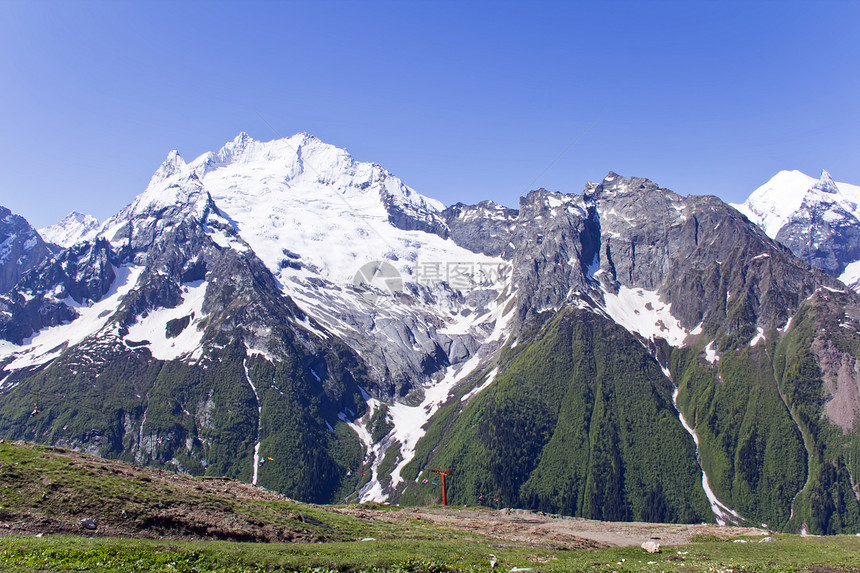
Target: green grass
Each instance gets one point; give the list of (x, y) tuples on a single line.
[(68, 553), (43, 481)]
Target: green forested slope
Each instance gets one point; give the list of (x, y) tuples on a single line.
[(828, 502), (201, 419), (768, 447), (750, 448), (579, 421)]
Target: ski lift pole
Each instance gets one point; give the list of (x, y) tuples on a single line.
[(445, 474)]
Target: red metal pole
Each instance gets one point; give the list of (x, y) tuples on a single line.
[(444, 474)]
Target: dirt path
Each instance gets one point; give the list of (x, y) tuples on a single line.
[(536, 527)]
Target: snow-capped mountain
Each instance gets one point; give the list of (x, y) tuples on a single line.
[(818, 219), (73, 229), (316, 218), (275, 309), (21, 248)]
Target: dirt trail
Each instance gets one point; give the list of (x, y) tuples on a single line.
[(517, 525)]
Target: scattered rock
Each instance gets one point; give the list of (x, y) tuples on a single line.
[(766, 540), (651, 547), (89, 523), (304, 518), (369, 539)]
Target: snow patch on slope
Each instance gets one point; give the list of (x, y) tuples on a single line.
[(152, 328), (758, 337), (642, 312), (255, 471), (851, 276), (484, 385), (374, 452), (711, 353)]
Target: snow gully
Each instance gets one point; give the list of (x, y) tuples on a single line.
[(259, 421)]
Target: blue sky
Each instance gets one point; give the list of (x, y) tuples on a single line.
[(463, 101)]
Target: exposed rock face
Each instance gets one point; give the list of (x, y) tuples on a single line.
[(700, 254), (483, 228), (841, 376), (825, 235), (557, 239), (835, 334), (21, 248), (413, 216), (83, 274)]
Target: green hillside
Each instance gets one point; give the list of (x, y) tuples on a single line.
[(580, 422)]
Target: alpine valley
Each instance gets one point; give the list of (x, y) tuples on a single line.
[(282, 314)]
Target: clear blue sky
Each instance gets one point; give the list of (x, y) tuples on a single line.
[(463, 101)]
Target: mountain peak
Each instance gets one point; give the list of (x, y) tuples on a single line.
[(171, 166), (241, 141), (826, 183), (236, 147), (71, 230)]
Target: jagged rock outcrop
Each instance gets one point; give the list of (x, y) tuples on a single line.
[(700, 255), (82, 274), (21, 248), (483, 228)]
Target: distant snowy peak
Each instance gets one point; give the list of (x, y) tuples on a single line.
[(774, 203), (818, 219), (73, 229)]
